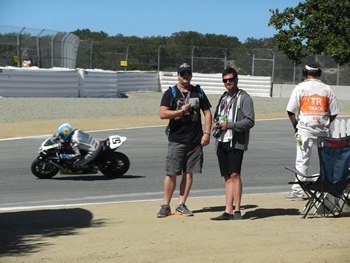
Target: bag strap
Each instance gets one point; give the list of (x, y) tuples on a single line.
[(238, 105), (173, 91), (218, 105), (200, 91)]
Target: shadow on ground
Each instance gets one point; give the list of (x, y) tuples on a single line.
[(23, 232), (258, 213), (94, 178)]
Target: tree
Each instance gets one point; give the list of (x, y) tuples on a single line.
[(252, 42), (314, 27), (86, 34)]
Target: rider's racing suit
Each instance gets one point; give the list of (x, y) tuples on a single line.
[(82, 147)]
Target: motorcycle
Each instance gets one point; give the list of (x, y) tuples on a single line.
[(110, 162)]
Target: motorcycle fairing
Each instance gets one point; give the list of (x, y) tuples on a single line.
[(116, 141)]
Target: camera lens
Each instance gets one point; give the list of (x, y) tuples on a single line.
[(217, 133)]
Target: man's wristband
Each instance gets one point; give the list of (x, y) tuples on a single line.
[(207, 133), (182, 110)]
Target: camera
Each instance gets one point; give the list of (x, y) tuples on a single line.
[(218, 130)]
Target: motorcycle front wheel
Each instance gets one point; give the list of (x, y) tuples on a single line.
[(44, 170), (114, 165)]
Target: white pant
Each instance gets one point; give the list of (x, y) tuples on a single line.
[(302, 163)]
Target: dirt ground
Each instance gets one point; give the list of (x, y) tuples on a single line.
[(272, 230), (43, 127)]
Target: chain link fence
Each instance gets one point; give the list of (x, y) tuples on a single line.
[(38, 47), (49, 49)]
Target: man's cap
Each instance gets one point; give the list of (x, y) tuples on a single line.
[(184, 66)]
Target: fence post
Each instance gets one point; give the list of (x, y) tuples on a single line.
[(253, 64), (273, 65), (338, 75), (38, 47), (127, 54), (192, 57), (52, 51), (19, 64), (91, 53), (159, 58), (294, 74), (225, 63)]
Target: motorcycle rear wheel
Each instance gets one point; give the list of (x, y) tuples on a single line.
[(114, 165), (43, 170)]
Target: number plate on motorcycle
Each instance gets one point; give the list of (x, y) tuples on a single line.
[(115, 141)]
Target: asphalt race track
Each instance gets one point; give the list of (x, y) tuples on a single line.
[(272, 146)]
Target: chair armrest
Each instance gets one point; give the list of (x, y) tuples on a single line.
[(294, 170)]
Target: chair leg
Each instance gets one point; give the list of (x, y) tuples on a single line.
[(310, 203)]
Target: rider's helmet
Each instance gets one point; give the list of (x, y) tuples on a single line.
[(64, 131)]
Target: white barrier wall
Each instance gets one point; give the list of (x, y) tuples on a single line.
[(62, 82), (285, 90), (212, 83), (97, 83), (58, 82), (35, 82), (209, 82), (341, 128), (137, 81)]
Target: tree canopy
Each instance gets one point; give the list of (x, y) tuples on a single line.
[(97, 49), (182, 38), (314, 27)]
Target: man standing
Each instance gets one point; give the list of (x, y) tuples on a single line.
[(234, 117), (181, 104), (317, 107)]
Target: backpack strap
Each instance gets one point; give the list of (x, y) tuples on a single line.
[(200, 91), (173, 91)]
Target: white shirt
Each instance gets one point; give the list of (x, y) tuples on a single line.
[(314, 102)]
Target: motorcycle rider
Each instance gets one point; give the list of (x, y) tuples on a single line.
[(81, 146)]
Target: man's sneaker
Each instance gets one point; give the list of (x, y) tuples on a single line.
[(164, 211), (237, 215), (292, 197), (183, 210), (224, 216)]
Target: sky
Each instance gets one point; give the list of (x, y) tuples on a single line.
[(146, 18)]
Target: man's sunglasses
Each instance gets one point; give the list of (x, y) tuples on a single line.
[(229, 80), (185, 73)]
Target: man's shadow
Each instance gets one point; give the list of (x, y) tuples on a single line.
[(258, 213)]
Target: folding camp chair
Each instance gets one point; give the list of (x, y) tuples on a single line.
[(328, 190)]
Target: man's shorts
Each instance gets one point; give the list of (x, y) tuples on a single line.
[(184, 158), (230, 159)]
